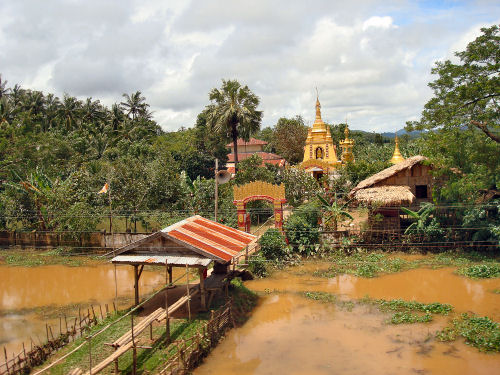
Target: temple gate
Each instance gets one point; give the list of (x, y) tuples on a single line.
[(259, 190)]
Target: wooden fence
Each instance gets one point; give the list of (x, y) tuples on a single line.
[(69, 330), (188, 353)]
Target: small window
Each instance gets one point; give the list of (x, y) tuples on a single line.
[(421, 191)]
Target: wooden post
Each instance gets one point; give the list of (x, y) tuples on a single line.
[(202, 288), (117, 370), (134, 351), (6, 360), (136, 284), (188, 296), (90, 354), (168, 274)]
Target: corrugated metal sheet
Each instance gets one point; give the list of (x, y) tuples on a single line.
[(161, 259), (202, 237)]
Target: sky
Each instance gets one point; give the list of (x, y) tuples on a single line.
[(370, 60)]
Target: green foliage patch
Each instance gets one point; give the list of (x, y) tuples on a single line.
[(478, 331)]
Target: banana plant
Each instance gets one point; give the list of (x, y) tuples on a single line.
[(333, 212), (421, 217)]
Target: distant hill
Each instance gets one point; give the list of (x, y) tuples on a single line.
[(412, 134)]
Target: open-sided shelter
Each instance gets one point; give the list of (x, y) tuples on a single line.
[(195, 242)]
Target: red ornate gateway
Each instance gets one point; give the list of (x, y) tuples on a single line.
[(259, 190)]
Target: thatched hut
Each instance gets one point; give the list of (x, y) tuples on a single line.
[(383, 203), (412, 172), (404, 184)]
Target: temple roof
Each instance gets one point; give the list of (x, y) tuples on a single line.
[(251, 141)]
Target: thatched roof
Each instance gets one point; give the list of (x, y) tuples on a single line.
[(385, 196), (388, 172)]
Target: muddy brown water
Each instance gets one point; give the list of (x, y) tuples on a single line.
[(289, 334), (30, 297)]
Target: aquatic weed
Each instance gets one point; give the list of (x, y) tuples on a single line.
[(478, 331), (405, 317), (481, 271)]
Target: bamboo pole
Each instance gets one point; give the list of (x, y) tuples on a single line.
[(188, 296), (89, 338), (167, 317)]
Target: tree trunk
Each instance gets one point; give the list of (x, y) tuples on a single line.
[(234, 133)]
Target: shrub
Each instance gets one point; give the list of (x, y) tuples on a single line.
[(273, 245), (257, 265), (301, 235)]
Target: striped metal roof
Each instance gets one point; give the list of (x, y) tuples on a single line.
[(210, 237), (173, 260), (203, 237)]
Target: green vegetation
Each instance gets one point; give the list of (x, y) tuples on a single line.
[(480, 332), (364, 264), (272, 245), (405, 312), (34, 258), (481, 271)]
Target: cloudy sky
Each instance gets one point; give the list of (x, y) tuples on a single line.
[(369, 59)]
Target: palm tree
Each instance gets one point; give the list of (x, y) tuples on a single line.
[(333, 212), (3, 89), (135, 104), (92, 111), (69, 111), (233, 112), (116, 116)]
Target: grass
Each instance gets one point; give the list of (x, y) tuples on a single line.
[(373, 264), (478, 331), (36, 258)]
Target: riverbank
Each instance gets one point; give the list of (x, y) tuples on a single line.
[(155, 352)]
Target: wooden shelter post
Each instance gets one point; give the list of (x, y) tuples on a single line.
[(202, 288), (137, 276), (187, 287), (168, 276)]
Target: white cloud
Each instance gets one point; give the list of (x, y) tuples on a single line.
[(369, 58), (379, 22)]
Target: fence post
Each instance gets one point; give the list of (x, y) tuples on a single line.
[(89, 339)]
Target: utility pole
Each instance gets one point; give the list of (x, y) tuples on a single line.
[(216, 186)]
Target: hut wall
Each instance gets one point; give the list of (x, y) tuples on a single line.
[(418, 175), (160, 245)]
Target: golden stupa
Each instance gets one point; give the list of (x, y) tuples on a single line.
[(347, 145), (319, 152), (397, 157)]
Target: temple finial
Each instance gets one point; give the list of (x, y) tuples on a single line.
[(318, 107), (396, 157)]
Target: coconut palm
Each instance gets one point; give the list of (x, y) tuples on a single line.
[(69, 111), (233, 112), (3, 87), (135, 105), (333, 212)]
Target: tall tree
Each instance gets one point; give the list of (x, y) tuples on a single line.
[(290, 138), (467, 93), (233, 112)]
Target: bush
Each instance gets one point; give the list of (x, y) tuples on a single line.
[(257, 265), (301, 235), (273, 245), (310, 212)]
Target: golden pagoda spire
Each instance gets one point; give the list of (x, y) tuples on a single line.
[(347, 145), (397, 157), (318, 111)]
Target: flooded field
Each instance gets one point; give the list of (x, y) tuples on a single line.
[(30, 297), (290, 334)]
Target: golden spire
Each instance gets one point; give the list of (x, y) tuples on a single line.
[(347, 145), (397, 157), (318, 110)]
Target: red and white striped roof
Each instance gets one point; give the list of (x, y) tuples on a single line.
[(204, 237)]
